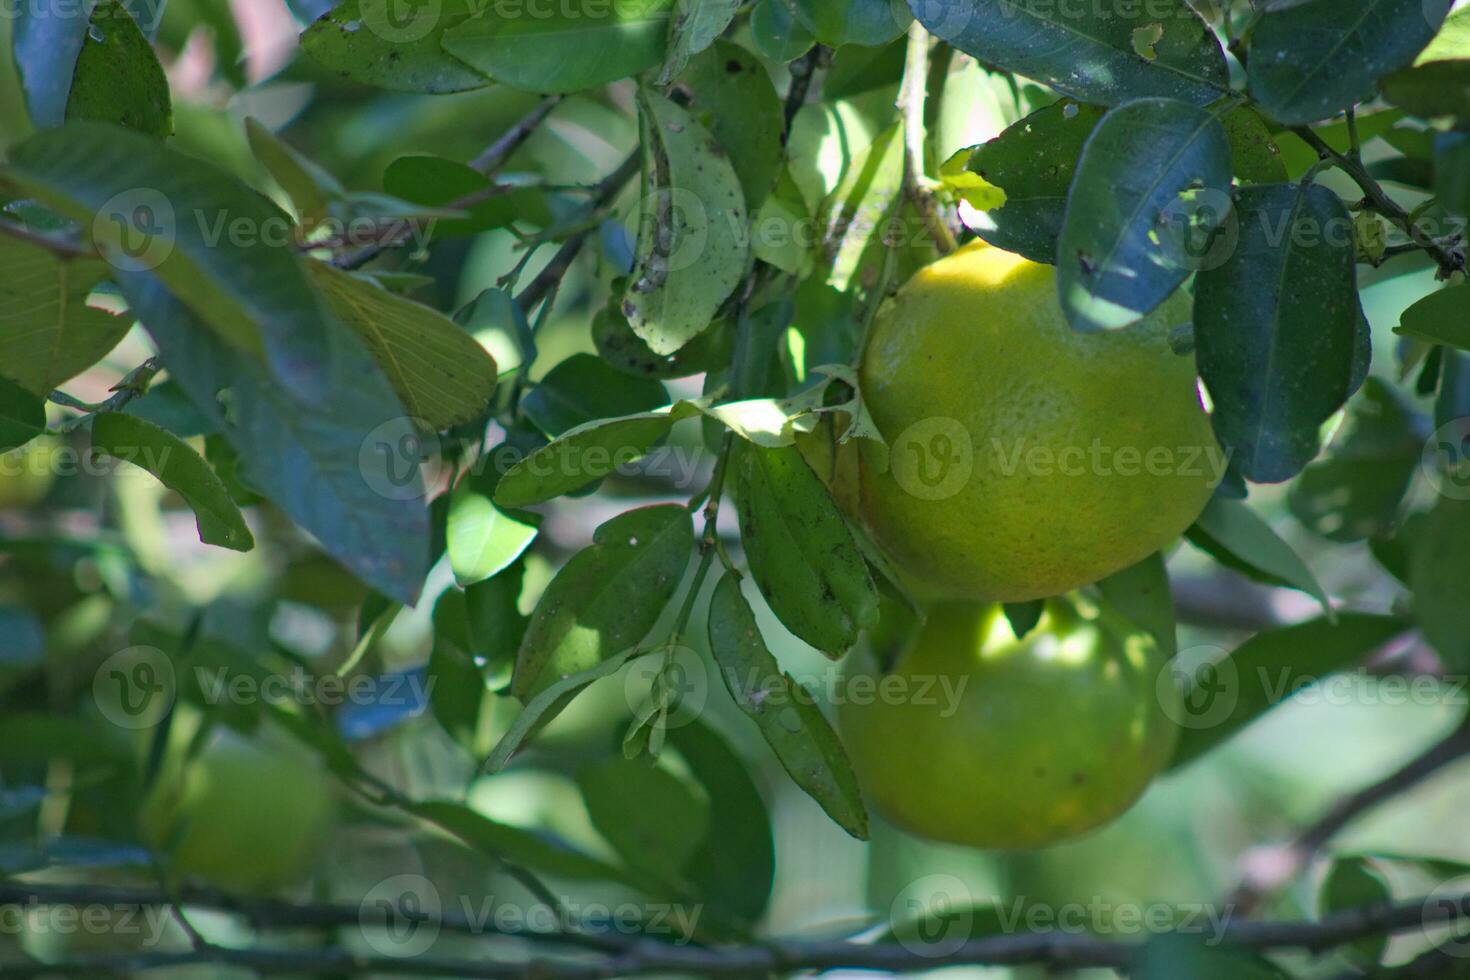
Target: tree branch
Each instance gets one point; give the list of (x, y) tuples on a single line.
[(1273, 867), (644, 957)]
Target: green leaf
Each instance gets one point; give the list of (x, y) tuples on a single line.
[(1439, 317), (441, 374), (575, 45), (1438, 562), (1356, 490), (373, 42), (607, 597), (1268, 669), (652, 819), (1299, 157), (1173, 956), (22, 415), (1233, 533), (436, 182), (310, 188), (1256, 159), (1354, 883), (695, 26), (344, 469), (512, 844), (181, 469), (784, 711), (48, 332), (619, 346), (220, 247), (1023, 616), (1087, 51), (800, 551), (1148, 165), (735, 866), (855, 213), (692, 245), (1141, 594), (547, 704), (1275, 328), (1452, 41), (1314, 59), (1450, 168), (483, 540), (1033, 161), (734, 99), (461, 692), (118, 78), (47, 39), (580, 456), (584, 388), (869, 22), (777, 33), (1440, 88)]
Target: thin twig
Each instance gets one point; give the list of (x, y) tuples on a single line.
[(802, 70), (497, 153), (1282, 864), (911, 94)]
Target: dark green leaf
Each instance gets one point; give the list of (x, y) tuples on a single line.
[(692, 245), (460, 690), (619, 346), (436, 182), (1354, 883), (1311, 60), (1256, 159), (345, 470), (1451, 171), (1440, 318), (777, 33), (47, 37), (1141, 594), (547, 704), (1023, 616), (394, 46), (650, 817), (1355, 491), (1233, 533), (575, 45), (1085, 50), (856, 69), (1174, 956), (735, 865), (1438, 564), (1268, 669), (221, 248), (1275, 328), (47, 330), (181, 469), (869, 22), (310, 188), (22, 415), (585, 388), (606, 598), (118, 78), (1033, 161), (787, 716), (1440, 88), (800, 552), (1148, 166), (441, 374), (579, 456)]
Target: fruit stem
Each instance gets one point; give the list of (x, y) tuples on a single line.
[(911, 94)]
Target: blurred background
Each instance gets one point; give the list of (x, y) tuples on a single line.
[(98, 561)]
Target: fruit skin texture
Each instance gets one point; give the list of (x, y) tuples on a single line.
[(240, 816), (1052, 736), (1061, 489)]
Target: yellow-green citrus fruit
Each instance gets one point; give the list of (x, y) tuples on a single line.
[(239, 815), (26, 473), (977, 738), (1026, 459)]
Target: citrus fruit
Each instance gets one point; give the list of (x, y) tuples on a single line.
[(1025, 459), (978, 738), (240, 815)]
